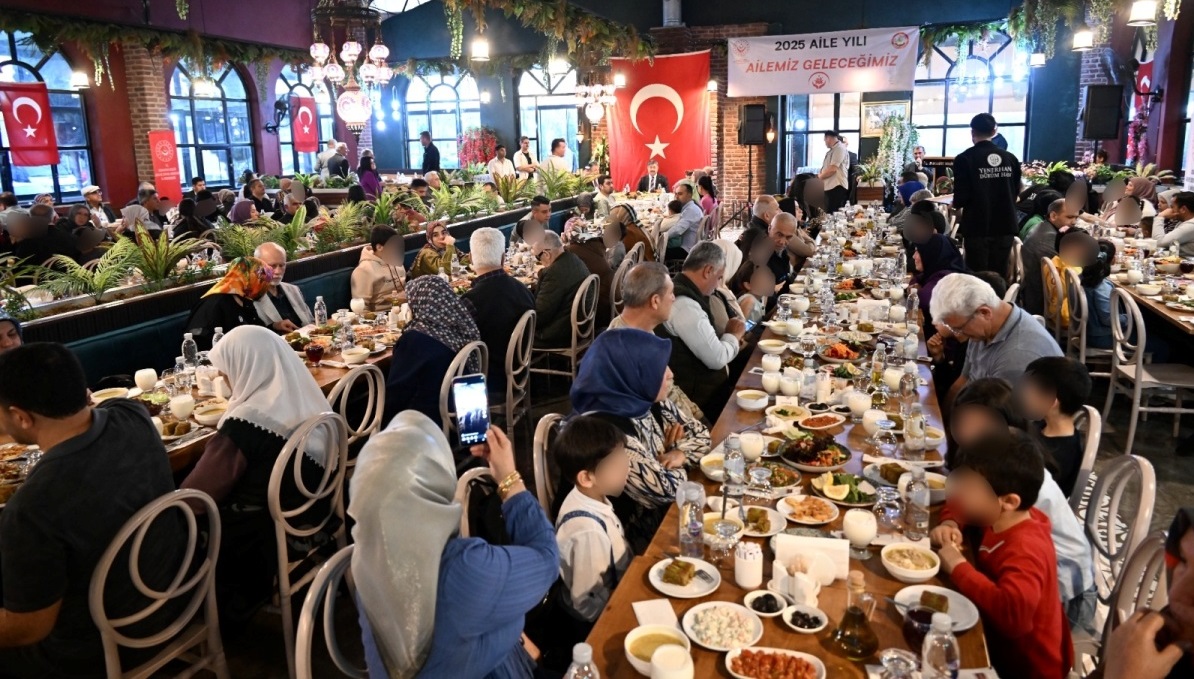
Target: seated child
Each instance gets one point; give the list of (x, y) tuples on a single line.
[(988, 405), (591, 454), (992, 485), (757, 283), (1053, 391)]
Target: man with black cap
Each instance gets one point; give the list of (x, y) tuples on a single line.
[(986, 184)]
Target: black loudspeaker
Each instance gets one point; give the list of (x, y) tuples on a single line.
[(1104, 108), (752, 124)]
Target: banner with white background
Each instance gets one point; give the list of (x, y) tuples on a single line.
[(865, 60)]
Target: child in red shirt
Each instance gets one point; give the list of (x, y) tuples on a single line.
[(993, 485)]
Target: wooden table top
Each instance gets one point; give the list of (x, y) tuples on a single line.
[(608, 635), (1171, 316)]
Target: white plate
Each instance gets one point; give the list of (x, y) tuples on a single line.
[(801, 413), (838, 420), (694, 590), (777, 524), (962, 611), (811, 659), (752, 619), (787, 512), (871, 473), (779, 598)]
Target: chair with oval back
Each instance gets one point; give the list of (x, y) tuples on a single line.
[(302, 521), (1089, 424), (518, 373), (464, 490), (1015, 263), (191, 637), (1075, 346), (660, 245), (459, 368), (1013, 293), (1055, 301), (1117, 517), (325, 586), (545, 472), (584, 329), (637, 253), (375, 402), (1142, 583), (615, 288)]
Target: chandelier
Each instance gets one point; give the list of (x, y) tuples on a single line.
[(593, 98), (353, 21)]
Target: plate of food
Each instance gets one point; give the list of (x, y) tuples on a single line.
[(847, 490), (855, 336), (887, 474), (845, 371), (807, 510), (684, 578), (788, 413), (173, 429), (12, 451), (763, 522), (12, 473), (962, 611), (767, 663), (850, 284), (821, 421), (722, 626), (781, 476), (839, 352), (811, 452)]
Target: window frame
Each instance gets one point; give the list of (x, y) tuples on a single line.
[(553, 86), (429, 108), (185, 172), (788, 133), (325, 113)]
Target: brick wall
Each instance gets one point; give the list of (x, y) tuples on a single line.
[(148, 107), (729, 160), (1093, 73)]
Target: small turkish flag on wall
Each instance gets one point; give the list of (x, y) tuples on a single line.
[(303, 124), (662, 114), (27, 120)]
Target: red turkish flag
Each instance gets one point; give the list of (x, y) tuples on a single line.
[(661, 114), (25, 108), (304, 124)]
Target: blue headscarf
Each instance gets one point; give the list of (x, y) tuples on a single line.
[(621, 373), (5, 316)]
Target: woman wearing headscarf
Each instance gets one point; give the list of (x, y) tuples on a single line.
[(624, 379), (934, 259), (632, 231), (433, 604), (440, 326), (10, 332), (190, 225), (229, 303), (577, 222), (272, 396), (243, 212), (369, 178), (255, 191), (1166, 212), (226, 199), (437, 254)]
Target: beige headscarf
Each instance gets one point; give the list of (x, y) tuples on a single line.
[(405, 472)]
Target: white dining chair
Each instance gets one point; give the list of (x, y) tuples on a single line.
[(1117, 517), (518, 373), (375, 402), (324, 589), (660, 244), (1013, 293), (194, 635), (637, 253), (584, 328), (1098, 360), (464, 491), (1135, 377), (545, 472), (1143, 583), (1089, 425), (459, 368), (616, 286), (1015, 264), (318, 509)]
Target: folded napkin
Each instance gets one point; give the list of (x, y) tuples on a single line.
[(325, 363), (877, 459), (655, 612)]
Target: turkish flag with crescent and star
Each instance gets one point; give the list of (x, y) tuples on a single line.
[(661, 114), (303, 124), (25, 108)]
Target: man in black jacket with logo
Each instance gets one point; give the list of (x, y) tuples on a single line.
[(986, 183)]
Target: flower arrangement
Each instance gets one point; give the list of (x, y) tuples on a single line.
[(896, 142), (476, 145), (1137, 148)]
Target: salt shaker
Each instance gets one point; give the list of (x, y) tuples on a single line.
[(748, 565)]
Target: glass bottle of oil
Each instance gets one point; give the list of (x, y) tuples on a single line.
[(854, 637)]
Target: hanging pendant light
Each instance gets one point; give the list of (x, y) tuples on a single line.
[(711, 86), (619, 80), (480, 49), (1083, 40), (1143, 13), (79, 81), (1036, 59), (594, 112), (354, 107)]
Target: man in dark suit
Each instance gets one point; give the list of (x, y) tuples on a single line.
[(558, 282), (765, 209), (591, 250), (198, 183), (498, 302), (338, 164), (430, 153), (852, 171), (653, 181), (986, 183)]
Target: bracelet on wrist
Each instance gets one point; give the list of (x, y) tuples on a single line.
[(512, 479)]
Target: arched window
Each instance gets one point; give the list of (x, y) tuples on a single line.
[(547, 110), (445, 106), (212, 126), (292, 82), (22, 62)]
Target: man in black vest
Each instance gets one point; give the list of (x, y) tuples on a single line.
[(699, 356), (986, 183)]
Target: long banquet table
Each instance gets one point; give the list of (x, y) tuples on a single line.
[(1172, 316), (608, 635)]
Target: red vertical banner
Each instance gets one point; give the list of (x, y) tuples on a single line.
[(165, 164), (1144, 83), (304, 125), (662, 114), (25, 108)]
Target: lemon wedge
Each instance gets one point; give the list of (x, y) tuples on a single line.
[(836, 492)]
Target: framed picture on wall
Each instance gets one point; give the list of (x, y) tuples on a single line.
[(875, 112)]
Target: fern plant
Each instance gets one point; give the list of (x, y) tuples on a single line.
[(1152, 172), (291, 236), (158, 259), (13, 273), (340, 228), (512, 188), (443, 203), (65, 277), (307, 180), (238, 240), (557, 184)]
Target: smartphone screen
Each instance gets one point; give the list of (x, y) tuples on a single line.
[(750, 325), (472, 408)]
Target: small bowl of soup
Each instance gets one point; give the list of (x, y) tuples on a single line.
[(642, 642)]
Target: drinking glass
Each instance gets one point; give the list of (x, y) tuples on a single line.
[(860, 528), (146, 379), (758, 490), (918, 620), (889, 508), (897, 663), (357, 305), (771, 383), (183, 381), (314, 354), (723, 542), (808, 346), (859, 403), (886, 443), (790, 386), (801, 304), (182, 406), (771, 363), (752, 446)]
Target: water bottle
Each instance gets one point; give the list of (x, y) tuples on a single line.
[(321, 311), (940, 654), (190, 352), (735, 469), (911, 346), (909, 389), (180, 366), (350, 336), (626, 189), (912, 307), (582, 663), (443, 274), (692, 517), (901, 263), (914, 433), (1150, 271), (217, 336), (916, 505)]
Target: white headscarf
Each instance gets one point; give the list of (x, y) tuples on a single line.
[(404, 471), (733, 258), (271, 388)]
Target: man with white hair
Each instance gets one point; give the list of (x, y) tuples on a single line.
[(433, 180), (497, 301), (1004, 339), (561, 277), (321, 161), (338, 163), (699, 356), (282, 307), (765, 209), (647, 295)]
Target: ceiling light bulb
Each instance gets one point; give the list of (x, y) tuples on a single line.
[(1083, 38), (480, 49), (1037, 59), (1143, 13), (711, 86), (619, 80), (594, 112)]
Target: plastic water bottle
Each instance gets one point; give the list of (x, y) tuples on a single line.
[(912, 307), (914, 434), (692, 541), (909, 389), (626, 189), (582, 663), (735, 469), (180, 366), (916, 506), (321, 311), (940, 655), (190, 352), (217, 336)]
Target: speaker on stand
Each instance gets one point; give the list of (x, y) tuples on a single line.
[(752, 131), (1104, 109)]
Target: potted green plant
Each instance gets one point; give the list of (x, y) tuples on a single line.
[(870, 181), (157, 258), (65, 277), (238, 240)]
